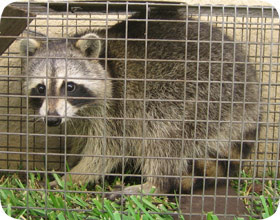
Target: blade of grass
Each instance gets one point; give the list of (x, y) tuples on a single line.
[(21, 213), (36, 212), (211, 216), (97, 203), (75, 216), (61, 203), (266, 213), (53, 199), (51, 215), (5, 182), (136, 201), (150, 205), (132, 211), (108, 208), (81, 202), (60, 216), (58, 180), (116, 215), (19, 183), (9, 209), (271, 208)]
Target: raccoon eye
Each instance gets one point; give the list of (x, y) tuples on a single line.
[(71, 87), (41, 89)]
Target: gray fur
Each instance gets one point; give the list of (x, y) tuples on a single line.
[(213, 127)]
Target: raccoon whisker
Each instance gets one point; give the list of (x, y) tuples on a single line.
[(71, 123), (38, 119)]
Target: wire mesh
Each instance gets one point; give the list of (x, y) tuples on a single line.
[(29, 146)]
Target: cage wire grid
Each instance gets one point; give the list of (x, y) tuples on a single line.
[(29, 146)]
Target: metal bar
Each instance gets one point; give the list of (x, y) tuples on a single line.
[(119, 7), (12, 27)]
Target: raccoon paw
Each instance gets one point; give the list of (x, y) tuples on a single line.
[(54, 184), (130, 190), (59, 184), (115, 193)]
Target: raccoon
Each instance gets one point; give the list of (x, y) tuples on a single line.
[(172, 96)]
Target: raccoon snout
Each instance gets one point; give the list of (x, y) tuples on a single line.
[(53, 121)]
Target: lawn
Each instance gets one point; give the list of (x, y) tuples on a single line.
[(75, 201)]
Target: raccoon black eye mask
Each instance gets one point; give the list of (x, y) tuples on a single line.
[(39, 90), (76, 94), (77, 91)]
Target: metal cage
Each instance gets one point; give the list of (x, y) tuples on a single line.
[(29, 147)]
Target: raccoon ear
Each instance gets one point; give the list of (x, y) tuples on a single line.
[(90, 45), (28, 45)]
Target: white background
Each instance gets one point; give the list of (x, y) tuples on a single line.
[(4, 3)]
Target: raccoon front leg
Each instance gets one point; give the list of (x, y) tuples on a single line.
[(202, 168), (153, 170), (87, 165), (136, 189)]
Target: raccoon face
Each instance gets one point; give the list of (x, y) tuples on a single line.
[(60, 82)]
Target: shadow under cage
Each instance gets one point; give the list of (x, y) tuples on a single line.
[(138, 110)]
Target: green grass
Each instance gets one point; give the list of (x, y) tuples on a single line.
[(63, 204), (74, 201), (261, 199)]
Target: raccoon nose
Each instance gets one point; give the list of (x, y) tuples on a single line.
[(53, 121)]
